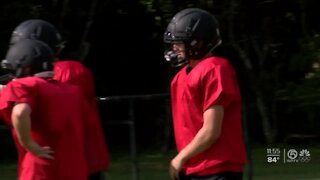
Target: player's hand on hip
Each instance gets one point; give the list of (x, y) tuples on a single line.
[(43, 152)]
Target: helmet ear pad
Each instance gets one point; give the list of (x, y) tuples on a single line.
[(194, 48), (197, 49)]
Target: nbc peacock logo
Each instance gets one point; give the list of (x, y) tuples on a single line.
[(304, 156)]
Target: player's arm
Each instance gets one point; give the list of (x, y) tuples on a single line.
[(206, 136), (20, 117)]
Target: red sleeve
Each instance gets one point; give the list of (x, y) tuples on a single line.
[(16, 91), (219, 86)]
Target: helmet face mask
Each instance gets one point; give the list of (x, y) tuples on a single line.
[(197, 28), (175, 53)]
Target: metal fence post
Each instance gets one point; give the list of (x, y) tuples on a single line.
[(135, 166), (131, 123), (247, 141)]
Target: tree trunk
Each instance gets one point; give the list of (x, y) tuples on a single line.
[(63, 11), (262, 107), (85, 46)]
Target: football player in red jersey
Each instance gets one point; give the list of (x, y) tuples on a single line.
[(205, 100), (46, 116), (72, 72)]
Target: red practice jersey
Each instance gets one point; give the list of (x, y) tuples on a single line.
[(57, 121), (74, 72), (5, 115), (211, 82)]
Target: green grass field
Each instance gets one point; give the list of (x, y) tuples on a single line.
[(154, 165)]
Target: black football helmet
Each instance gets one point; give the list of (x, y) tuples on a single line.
[(40, 30), (197, 29), (28, 57)]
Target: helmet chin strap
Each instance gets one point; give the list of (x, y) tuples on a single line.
[(215, 46), (19, 72)]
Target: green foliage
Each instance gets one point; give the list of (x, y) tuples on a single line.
[(307, 56), (304, 92), (300, 96)]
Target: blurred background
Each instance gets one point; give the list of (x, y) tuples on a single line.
[(274, 45)]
